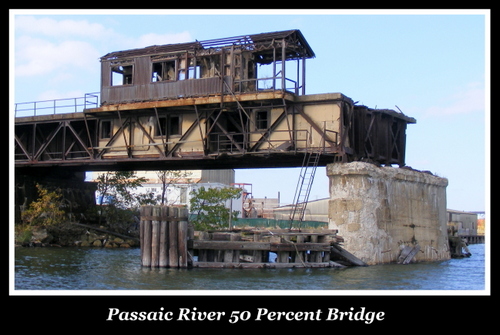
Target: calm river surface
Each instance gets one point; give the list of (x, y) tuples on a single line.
[(120, 269)]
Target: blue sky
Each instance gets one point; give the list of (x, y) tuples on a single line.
[(434, 65)]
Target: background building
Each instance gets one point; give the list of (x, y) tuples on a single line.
[(179, 184), (462, 223), (316, 210)]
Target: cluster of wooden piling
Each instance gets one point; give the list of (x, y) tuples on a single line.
[(167, 240), (164, 234)]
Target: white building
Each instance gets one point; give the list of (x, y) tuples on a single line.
[(179, 184)]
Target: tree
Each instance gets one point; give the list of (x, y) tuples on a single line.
[(46, 210), (168, 178), (209, 207), (115, 188)]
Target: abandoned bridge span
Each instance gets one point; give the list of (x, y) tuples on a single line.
[(208, 105), (272, 129)]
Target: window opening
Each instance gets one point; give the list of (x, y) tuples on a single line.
[(106, 129), (121, 75), (267, 80), (210, 66), (183, 195), (182, 69), (160, 129), (174, 126), (261, 119), (163, 71), (194, 72)]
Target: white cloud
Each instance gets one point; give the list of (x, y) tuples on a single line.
[(45, 45), (470, 99), (158, 39), (38, 56), (50, 27), (51, 47), (61, 53)]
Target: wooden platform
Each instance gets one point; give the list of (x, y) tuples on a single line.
[(474, 239), (168, 240), (251, 249)]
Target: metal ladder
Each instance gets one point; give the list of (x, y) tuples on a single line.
[(303, 189)]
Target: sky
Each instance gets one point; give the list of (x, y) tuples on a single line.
[(433, 65)]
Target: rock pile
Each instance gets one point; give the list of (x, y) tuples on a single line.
[(90, 239), (71, 235)]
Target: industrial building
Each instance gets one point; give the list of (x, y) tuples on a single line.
[(316, 210), (462, 223)]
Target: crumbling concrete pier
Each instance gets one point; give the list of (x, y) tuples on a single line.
[(387, 213)]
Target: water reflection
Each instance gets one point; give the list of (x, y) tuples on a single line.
[(120, 269)]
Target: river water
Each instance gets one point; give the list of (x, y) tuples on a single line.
[(120, 269)]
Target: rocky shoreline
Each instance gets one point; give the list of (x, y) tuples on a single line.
[(73, 235)]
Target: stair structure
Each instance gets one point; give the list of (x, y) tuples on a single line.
[(303, 189)]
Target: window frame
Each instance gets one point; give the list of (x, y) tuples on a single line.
[(124, 76), (109, 131), (178, 133), (166, 126), (259, 121), (162, 63)]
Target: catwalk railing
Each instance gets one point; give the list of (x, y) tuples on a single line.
[(57, 106)]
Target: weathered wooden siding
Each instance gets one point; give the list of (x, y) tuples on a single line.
[(163, 90)]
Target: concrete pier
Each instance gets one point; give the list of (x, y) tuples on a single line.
[(381, 211)]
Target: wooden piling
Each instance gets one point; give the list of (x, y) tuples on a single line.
[(173, 253), (283, 257), (163, 258), (257, 254), (182, 238), (155, 237), (145, 236)]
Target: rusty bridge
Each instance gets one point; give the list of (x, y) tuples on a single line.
[(216, 104)]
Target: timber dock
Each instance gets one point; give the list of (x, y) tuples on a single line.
[(252, 249), (168, 240), (474, 239)]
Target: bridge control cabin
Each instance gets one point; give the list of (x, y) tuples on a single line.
[(231, 65), (233, 102)]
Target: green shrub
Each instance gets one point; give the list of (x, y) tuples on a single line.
[(23, 234), (46, 210)]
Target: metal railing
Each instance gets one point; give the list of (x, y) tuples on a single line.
[(238, 143), (232, 143), (57, 106), (328, 140), (268, 83)]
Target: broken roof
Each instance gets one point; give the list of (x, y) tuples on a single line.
[(297, 46), (391, 112)]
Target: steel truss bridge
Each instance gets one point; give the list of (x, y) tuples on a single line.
[(202, 105), (266, 129)]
